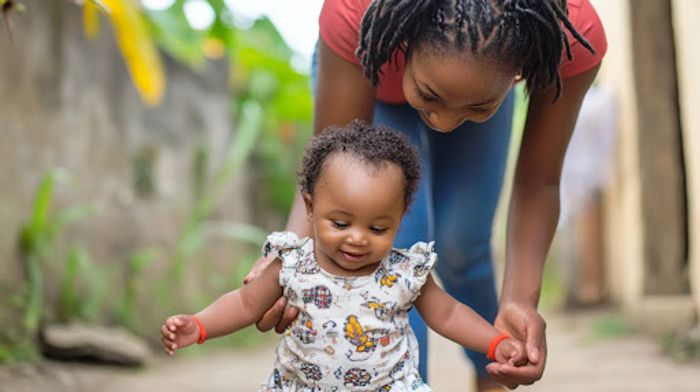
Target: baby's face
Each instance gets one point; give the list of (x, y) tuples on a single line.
[(355, 212)]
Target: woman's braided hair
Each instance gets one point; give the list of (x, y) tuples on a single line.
[(524, 36), (375, 146)]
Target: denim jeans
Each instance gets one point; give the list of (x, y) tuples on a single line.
[(462, 174)]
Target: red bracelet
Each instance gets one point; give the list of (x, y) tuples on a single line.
[(202, 330), (491, 354)]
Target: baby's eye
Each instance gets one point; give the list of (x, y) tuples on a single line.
[(339, 224), (378, 230)]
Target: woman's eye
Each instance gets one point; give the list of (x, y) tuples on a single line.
[(424, 97), (339, 225)]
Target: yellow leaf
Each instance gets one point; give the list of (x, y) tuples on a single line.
[(137, 48), (91, 19)]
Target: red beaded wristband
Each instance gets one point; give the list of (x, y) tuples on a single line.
[(491, 354), (202, 330)]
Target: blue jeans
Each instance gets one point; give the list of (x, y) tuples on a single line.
[(455, 204)]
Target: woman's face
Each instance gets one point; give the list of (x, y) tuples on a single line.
[(448, 90)]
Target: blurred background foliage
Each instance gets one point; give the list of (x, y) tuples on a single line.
[(261, 74), (272, 110)]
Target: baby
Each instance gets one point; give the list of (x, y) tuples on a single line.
[(353, 289)]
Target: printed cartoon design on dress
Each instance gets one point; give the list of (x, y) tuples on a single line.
[(365, 342), (331, 336), (291, 295), (397, 257), (277, 381), (320, 296), (421, 270), (385, 278), (357, 377), (417, 384), (311, 372), (307, 265), (304, 328), (381, 309)]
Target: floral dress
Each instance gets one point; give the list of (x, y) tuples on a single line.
[(352, 333)]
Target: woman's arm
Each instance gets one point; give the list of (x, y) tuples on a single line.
[(533, 216)]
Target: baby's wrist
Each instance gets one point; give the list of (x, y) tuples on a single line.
[(202, 330), (491, 353)]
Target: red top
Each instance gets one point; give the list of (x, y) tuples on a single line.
[(339, 25)]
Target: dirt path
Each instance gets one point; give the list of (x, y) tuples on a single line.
[(576, 362)]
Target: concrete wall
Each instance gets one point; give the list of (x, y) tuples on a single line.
[(622, 197), (687, 30), (626, 238), (69, 102)]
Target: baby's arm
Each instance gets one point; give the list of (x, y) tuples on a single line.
[(231, 312), (461, 324)]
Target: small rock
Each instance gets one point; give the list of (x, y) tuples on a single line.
[(77, 341)]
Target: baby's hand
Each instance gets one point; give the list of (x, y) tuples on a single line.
[(511, 351), (178, 332)]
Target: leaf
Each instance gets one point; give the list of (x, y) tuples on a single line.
[(91, 19), (138, 49)]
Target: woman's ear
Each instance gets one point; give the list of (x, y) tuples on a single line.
[(308, 203)]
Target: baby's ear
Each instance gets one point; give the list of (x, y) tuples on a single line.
[(308, 203)]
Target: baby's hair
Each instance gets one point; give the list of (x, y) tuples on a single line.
[(523, 35), (373, 145)]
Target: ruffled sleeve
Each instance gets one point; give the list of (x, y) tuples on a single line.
[(289, 248), (279, 243), (417, 262)]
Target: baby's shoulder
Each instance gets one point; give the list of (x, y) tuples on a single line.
[(419, 255), (279, 243)]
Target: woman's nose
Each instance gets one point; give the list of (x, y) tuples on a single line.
[(446, 121)]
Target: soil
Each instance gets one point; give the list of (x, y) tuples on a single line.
[(580, 359)]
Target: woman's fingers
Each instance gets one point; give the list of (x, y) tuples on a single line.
[(290, 313), (273, 316), (512, 376)]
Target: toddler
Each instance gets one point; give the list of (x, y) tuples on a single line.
[(353, 289)]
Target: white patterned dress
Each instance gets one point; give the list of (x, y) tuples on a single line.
[(352, 333)]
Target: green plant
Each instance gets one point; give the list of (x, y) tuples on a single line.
[(137, 263), (36, 241), (74, 303), (192, 235)]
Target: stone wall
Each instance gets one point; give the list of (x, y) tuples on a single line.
[(68, 102)]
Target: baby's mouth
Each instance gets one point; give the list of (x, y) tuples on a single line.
[(353, 256)]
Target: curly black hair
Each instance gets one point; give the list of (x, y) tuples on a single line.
[(524, 36), (373, 145)]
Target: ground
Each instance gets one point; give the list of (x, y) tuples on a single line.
[(582, 357)]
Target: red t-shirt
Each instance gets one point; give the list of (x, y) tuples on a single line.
[(339, 26)]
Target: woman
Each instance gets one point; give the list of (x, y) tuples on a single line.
[(442, 72)]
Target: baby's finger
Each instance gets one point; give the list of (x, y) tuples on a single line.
[(165, 331), (166, 347), (179, 321)]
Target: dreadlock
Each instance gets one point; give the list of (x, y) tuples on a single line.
[(525, 36)]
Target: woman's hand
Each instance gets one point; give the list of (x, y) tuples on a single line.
[(524, 323), (280, 315)]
